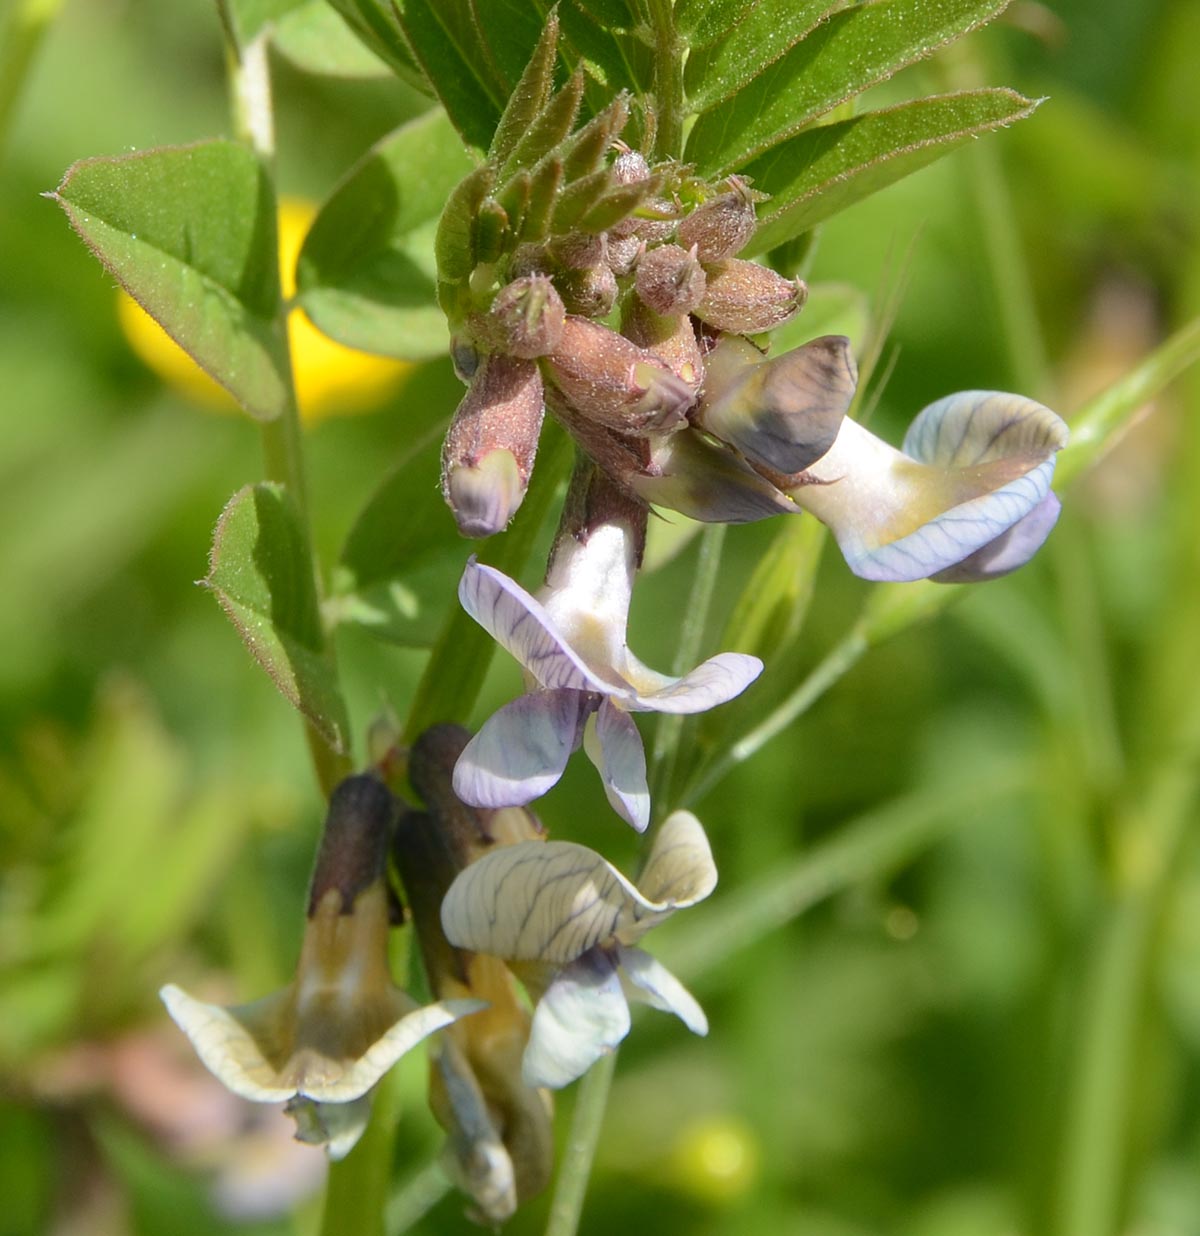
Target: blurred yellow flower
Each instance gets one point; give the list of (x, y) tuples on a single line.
[(331, 379), (715, 1159)]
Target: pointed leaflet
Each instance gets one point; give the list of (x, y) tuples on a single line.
[(529, 99), (189, 232), (374, 21), (854, 49), (765, 34), (365, 275), (316, 39), (823, 170), (260, 569)]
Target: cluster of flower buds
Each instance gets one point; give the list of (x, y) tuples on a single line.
[(682, 409)]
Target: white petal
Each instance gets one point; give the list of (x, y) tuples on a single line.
[(679, 869), (520, 624), (540, 901), (226, 1046), (521, 750), (652, 983), (713, 682), (364, 1072), (614, 745), (582, 1016)]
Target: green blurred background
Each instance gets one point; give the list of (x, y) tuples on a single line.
[(985, 1024)]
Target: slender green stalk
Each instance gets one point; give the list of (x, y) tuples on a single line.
[(863, 849), (20, 37), (669, 726), (576, 1169), (283, 449), (356, 1194), (414, 1198), (843, 658), (668, 80)]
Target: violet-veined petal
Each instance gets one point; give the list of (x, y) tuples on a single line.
[(976, 427), (650, 982), (540, 901), (713, 682), (582, 1016), (520, 625), (1008, 551), (614, 745), (679, 870), (522, 749)]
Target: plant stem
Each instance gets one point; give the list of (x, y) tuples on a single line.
[(415, 1198), (668, 80), (575, 1172), (669, 726), (838, 662), (283, 448), (357, 1190)]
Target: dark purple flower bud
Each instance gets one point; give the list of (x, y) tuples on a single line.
[(612, 381), (722, 226), (490, 447), (670, 280), (744, 297)]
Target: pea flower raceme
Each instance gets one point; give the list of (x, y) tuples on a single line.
[(584, 680), (500, 1142), (326, 1039), (568, 924)]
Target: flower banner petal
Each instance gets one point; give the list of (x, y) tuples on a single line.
[(650, 982), (976, 427), (521, 750), (539, 901), (613, 744), (520, 625), (582, 1016)]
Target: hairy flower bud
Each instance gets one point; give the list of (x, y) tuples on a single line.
[(670, 280), (623, 253), (721, 226), (744, 297), (608, 379), (490, 447), (526, 318), (671, 338), (588, 293), (782, 414), (577, 250)]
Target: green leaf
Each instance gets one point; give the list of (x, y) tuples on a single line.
[(366, 273), (190, 233), (446, 44), (315, 38), (702, 22), (405, 523), (765, 34), (261, 572), (374, 21), (509, 31), (854, 49), (615, 60), (825, 169)]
